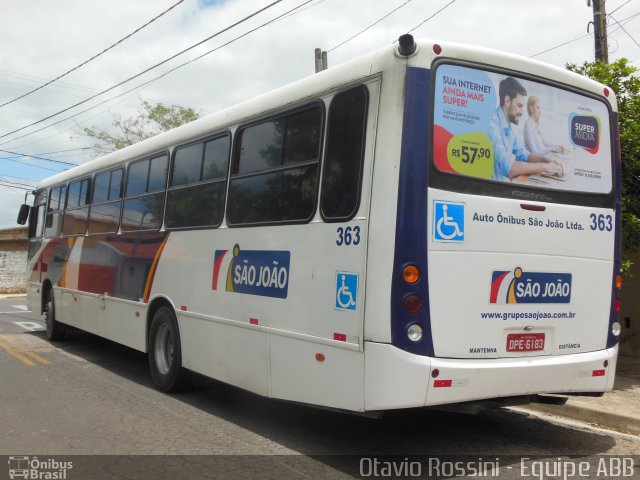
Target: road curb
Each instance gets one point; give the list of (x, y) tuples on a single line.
[(623, 423)]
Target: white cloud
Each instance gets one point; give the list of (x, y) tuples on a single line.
[(44, 39)]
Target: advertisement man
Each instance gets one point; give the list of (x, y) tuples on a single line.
[(511, 159)]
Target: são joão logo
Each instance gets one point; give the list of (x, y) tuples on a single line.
[(253, 272), (518, 286)]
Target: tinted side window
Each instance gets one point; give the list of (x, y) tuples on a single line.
[(196, 197), (275, 170), (73, 196), (137, 178), (77, 211), (342, 174), (187, 165), (144, 203), (36, 222), (101, 187), (78, 194), (54, 210), (105, 209)]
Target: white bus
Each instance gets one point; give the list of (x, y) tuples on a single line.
[(381, 235)]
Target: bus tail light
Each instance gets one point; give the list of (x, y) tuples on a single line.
[(414, 332), (411, 274), (616, 328), (412, 304)]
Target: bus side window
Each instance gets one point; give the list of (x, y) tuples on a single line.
[(105, 205), (342, 174), (54, 210), (196, 193), (77, 210), (144, 195), (275, 170)]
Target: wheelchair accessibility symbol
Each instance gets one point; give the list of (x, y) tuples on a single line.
[(346, 291), (448, 221)]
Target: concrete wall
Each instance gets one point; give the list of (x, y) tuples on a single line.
[(13, 260)]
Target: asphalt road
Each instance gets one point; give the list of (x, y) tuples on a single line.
[(89, 396)]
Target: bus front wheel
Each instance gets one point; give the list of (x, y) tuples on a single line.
[(165, 353), (55, 330)]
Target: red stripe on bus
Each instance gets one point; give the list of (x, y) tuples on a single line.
[(216, 269)]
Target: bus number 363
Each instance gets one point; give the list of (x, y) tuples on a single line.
[(348, 236), (601, 222)]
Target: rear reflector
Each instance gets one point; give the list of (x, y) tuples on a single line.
[(341, 337), (598, 373), (442, 383)]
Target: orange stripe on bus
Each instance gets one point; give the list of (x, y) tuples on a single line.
[(152, 271)]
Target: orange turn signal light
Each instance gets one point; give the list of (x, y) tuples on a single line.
[(411, 274), (618, 282)]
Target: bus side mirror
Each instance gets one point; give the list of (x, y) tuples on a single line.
[(23, 215)]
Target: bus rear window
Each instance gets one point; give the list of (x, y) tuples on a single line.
[(505, 128)]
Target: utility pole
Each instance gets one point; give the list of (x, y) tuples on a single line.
[(600, 30), (321, 60)]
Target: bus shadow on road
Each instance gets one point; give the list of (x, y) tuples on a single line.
[(325, 434)]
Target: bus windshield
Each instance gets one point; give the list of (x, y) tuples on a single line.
[(505, 128)]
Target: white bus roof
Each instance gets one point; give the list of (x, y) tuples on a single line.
[(346, 73)]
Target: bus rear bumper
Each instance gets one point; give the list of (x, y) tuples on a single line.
[(464, 380), (397, 379)]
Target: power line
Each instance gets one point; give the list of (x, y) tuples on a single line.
[(95, 56), (16, 187), (628, 1), (34, 166), (426, 20), (625, 30), (4, 179), (582, 36), (39, 158), (142, 85), (144, 71), (374, 23), (560, 45)]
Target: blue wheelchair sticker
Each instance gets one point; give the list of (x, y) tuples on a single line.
[(346, 291), (448, 221)]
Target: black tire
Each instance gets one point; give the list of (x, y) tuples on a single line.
[(165, 353), (55, 330)]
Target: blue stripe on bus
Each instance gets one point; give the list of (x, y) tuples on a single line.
[(411, 220), (612, 340)]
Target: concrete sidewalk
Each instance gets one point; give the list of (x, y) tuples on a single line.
[(617, 410)]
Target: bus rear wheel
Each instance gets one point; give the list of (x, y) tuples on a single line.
[(165, 353), (55, 330)]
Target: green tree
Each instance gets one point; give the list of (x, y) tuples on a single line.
[(620, 76), (154, 119)]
